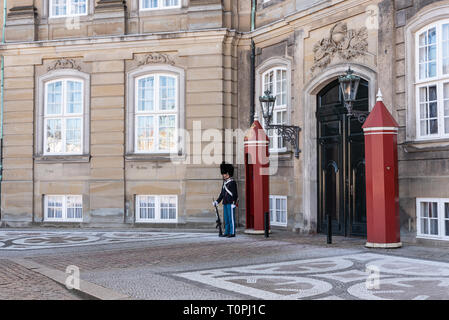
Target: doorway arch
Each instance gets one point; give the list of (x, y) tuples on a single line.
[(310, 151)]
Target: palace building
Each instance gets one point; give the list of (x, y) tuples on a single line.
[(96, 94)]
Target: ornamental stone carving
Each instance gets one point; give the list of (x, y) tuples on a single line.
[(344, 42), (157, 58), (64, 64)]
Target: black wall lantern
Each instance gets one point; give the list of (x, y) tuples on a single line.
[(288, 133), (349, 85)]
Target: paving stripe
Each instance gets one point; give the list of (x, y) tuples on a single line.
[(90, 289)]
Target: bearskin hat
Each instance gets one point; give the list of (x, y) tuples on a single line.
[(227, 168)]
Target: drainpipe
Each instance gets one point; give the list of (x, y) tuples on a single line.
[(2, 90), (253, 63)]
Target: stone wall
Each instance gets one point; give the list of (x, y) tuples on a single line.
[(290, 30), (108, 177), (29, 20), (210, 42), (423, 166)]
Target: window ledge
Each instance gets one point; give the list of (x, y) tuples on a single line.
[(146, 13), (263, 5), (278, 226), (281, 155), (61, 158), (426, 146), (432, 237), (154, 157)]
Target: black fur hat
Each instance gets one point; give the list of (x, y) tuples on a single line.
[(227, 168)]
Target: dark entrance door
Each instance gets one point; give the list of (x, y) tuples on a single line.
[(341, 162)]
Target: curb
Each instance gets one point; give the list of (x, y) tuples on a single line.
[(88, 289)]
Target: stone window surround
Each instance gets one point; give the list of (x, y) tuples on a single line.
[(64, 208), (157, 209), (130, 110), (425, 17), (440, 219), (134, 9), (140, 6), (45, 14), (273, 198), (40, 101), (270, 63), (68, 3)]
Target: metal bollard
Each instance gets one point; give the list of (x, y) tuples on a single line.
[(267, 224), (329, 229)]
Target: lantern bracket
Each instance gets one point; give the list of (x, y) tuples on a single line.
[(349, 84), (287, 132)]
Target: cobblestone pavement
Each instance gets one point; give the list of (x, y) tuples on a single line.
[(19, 283), (196, 266)]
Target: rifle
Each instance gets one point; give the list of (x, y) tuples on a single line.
[(220, 231)]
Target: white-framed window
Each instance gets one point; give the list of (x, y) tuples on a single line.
[(156, 112), (278, 210), (432, 215), (432, 81), (159, 4), (275, 80), (63, 208), (68, 8), (63, 117), (157, 208)]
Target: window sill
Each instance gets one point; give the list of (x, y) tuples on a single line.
[(263, 5), (426, 145), (154, 157), (156, 221), (73, 224), (62, 221), (145, 13), (281, 155), (276, 225), (432, 237), (63, 159), (62, 19)]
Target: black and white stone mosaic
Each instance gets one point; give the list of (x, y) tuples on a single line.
[(357, 276), (20, 240)]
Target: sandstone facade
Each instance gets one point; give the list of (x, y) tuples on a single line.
[(207, 44)]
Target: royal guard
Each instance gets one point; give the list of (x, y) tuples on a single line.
[(230, 197)]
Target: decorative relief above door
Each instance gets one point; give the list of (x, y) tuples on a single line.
[(344, 42)]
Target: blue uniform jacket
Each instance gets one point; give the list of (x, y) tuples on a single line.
[(228, 193)]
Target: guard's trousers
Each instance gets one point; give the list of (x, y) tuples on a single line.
[(229, 219)]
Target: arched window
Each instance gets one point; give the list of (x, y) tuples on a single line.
[(275, 80), (432, 81), (63, 119)]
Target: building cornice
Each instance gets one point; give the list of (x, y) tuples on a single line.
[(279, 28), (295, 20), (111, 41)]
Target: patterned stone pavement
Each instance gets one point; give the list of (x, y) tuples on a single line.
[(201, 266), (359, 276), (20, 240)]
